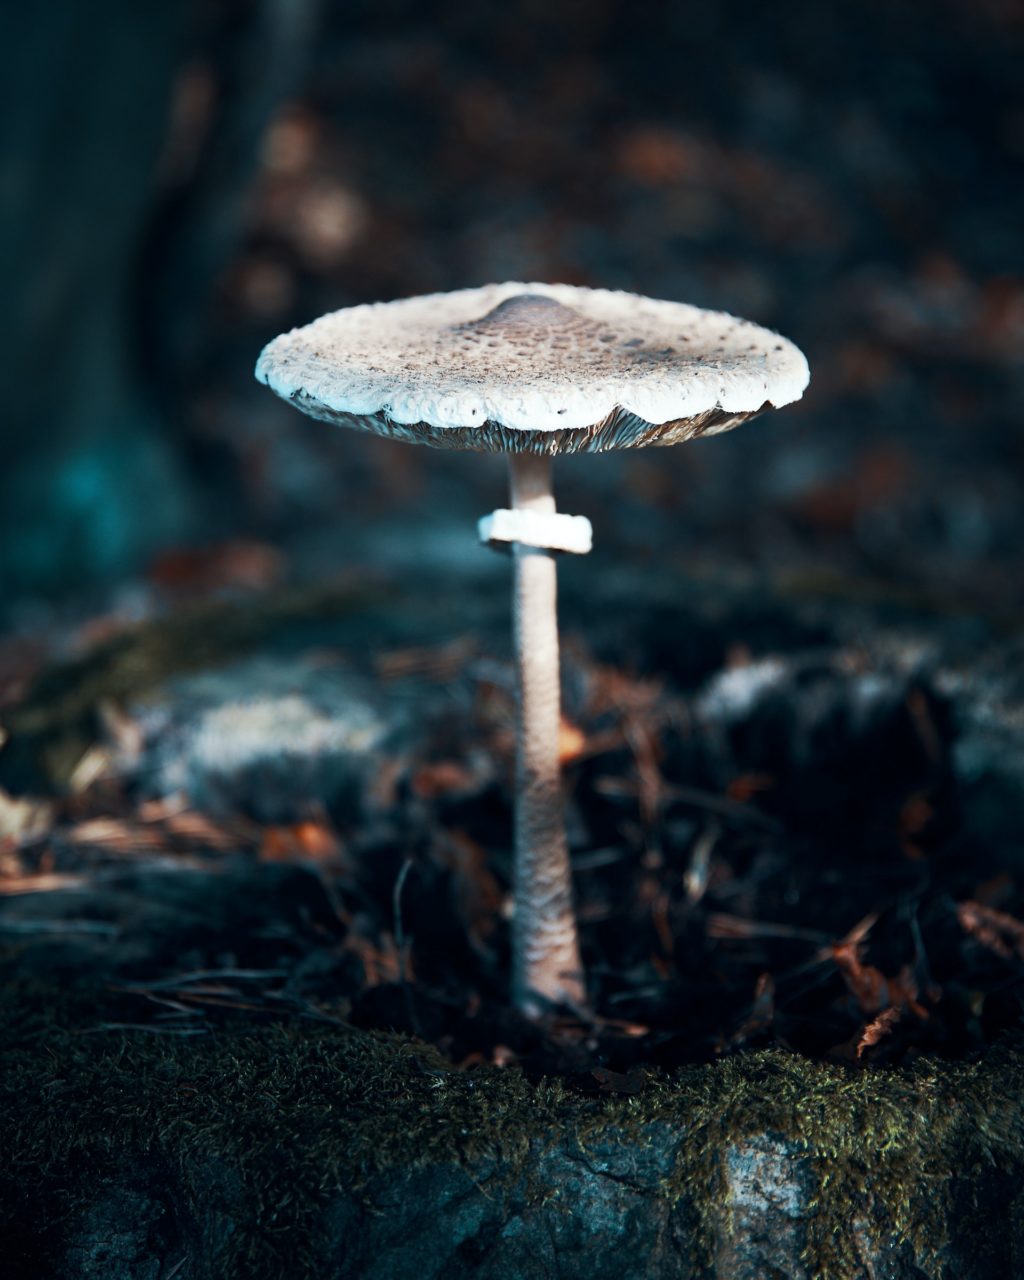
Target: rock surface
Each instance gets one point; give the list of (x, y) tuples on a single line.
[(268, 738), (566, 1206)]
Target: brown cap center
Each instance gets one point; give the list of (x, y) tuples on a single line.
[(523, 314)]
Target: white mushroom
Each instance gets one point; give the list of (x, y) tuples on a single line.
[(534, 370)]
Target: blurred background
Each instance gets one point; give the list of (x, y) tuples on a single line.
[(183, 181)]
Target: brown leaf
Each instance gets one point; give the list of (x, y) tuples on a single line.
[(871, 988), (747, 785), (382, 962), (442, 778), (762, 1012), (865, 983), (997, 930), (308, 841), (572, 742), (240, 562), (194, 828), (115, 835), (878, 1029), (478, 896)]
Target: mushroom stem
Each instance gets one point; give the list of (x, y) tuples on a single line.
[(546, 968)]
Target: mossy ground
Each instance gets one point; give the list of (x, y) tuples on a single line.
[(293, 1111)]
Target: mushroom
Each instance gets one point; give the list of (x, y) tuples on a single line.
[(535, 370)]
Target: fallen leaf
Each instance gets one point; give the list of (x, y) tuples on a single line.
[(24, 819), (442, 778), (572, 742), (997, 930), (871, 988), (762, 1012), (748, 785), (878, 1029), (240, 562), (308, 841)]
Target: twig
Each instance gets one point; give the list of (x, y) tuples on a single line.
[(695, 878), (595, 858), (199, 975), (400, 941), (396, 902), (721, 925), (672, 793), (39, 882)]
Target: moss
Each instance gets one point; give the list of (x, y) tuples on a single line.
[(293, 1111), (887, 1137), (290, 1112)]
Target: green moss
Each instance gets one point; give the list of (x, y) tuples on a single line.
[(293, 1111), (290, 1111), (887, 1137)]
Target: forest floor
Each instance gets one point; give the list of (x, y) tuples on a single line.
[(251, 826), (791, 823)]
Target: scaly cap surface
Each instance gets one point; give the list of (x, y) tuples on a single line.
[(534, 368)]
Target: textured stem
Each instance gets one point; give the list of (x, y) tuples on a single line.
[(546, 967)]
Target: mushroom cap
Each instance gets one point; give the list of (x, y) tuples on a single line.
[(536, 368)]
